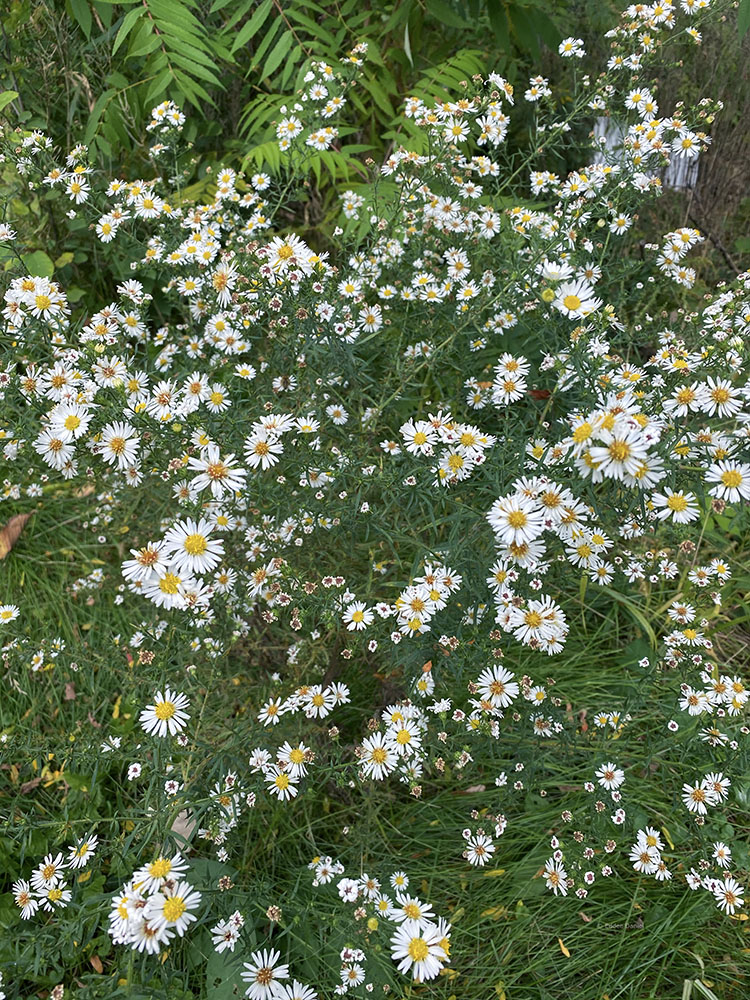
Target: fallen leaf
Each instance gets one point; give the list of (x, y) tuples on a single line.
[(563, 949), (184, 825), (539, 393), (29, 786), (97, 963), (585, 917), (70, 691), (10, 532)]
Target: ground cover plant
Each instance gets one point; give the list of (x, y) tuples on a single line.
[(373, 592)]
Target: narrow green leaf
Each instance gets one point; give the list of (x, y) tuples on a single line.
[(158, 85), (239, 10), (445, 14), (291, 63), (128, 21), (743, 18), (407, 44), (96, 112), (252, 26), (280, 49), (499, 23), (82, 15), (194, 87), (191, 52), (378, 95), (194, 69)]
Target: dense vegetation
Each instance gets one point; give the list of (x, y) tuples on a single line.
[(374, 541)]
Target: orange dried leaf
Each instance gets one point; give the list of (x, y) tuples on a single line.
[(10, 532)]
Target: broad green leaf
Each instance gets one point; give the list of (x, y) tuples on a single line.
[(63, 259), (39, 264), (6, 97)]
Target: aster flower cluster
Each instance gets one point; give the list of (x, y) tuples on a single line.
[(154, 905), (420, 941), (48, 889)]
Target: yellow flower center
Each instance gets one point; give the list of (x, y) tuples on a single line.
[(162, 866), (195, 544), (174, 908), (164, 710), (418, 949), (619, 451), (731, 478), (169, 583)]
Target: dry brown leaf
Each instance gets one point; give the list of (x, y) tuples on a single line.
[(10, 532), (184, 825), (70, 691), (97, 963), (29, 786)]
